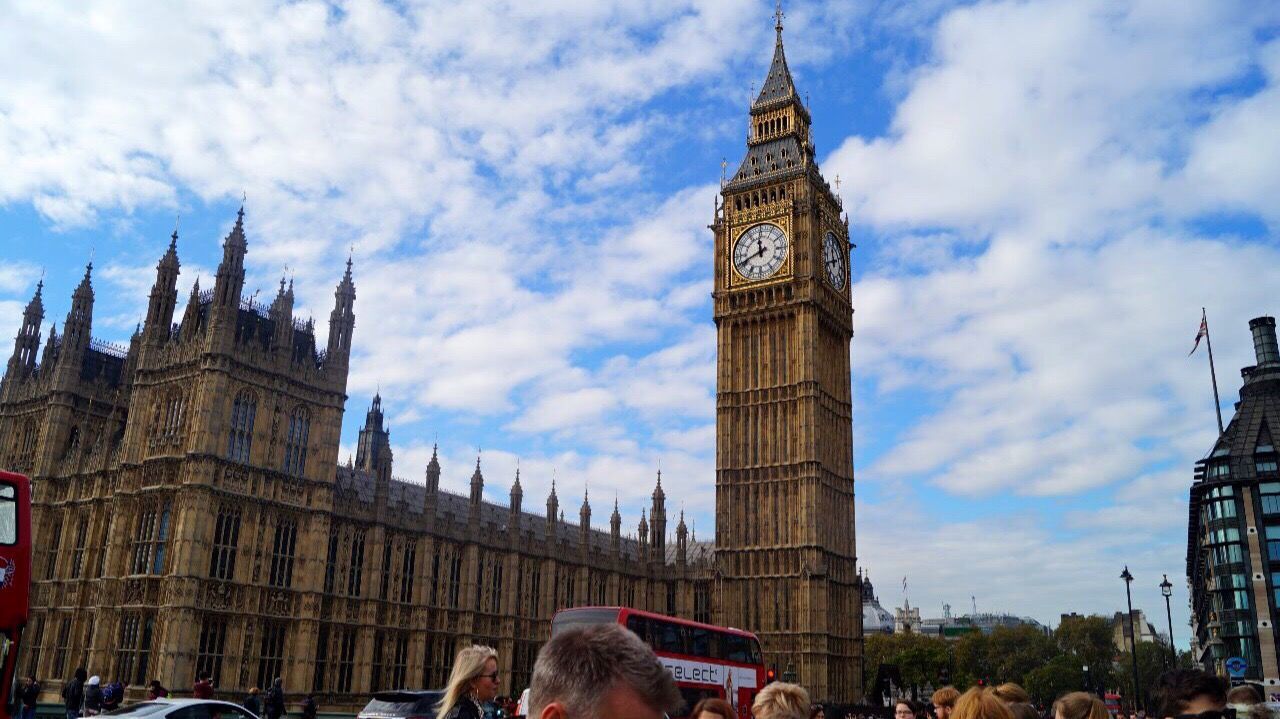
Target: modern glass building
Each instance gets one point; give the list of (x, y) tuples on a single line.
[(1233, 531)]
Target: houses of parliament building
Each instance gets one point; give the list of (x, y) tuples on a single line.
[(192, 514)]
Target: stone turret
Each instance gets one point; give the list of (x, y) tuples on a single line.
[(658, 518), (517, 499), (164, 295), (228, 285), (27, 344), (584, 522), (643, 535), (281, 313), (433, 472), (553, 508), (373, 450), (615, 529), (682, 542), (342, 322), (76, 332), (477, 487)]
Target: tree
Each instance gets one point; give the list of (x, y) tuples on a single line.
[(1060, 675), (1152, 661), (1089, 640)]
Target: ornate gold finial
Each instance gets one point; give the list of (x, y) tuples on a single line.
[(837, 184), (777, 16), (723, 164)]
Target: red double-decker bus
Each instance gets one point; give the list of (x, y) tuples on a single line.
[(706, 660), (15, 578)]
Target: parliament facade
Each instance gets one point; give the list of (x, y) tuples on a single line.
[(192, 515)]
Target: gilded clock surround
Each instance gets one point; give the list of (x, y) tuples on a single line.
[(783, 273)]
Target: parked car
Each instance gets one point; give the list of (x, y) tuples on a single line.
[(402, 704), (183, 709)]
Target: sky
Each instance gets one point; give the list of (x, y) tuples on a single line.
[(1043, 194)]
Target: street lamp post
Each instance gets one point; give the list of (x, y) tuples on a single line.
[(1087, 683), (1166, 588), (1133, 637)]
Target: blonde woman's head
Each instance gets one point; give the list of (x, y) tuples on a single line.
[(781, 700), (474, 677)]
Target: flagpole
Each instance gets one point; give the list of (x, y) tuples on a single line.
[(1217, 403)]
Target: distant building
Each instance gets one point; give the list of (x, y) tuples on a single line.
[(1120, 630), (1233, 528), (949, 627), (875, 618), (906, 619)]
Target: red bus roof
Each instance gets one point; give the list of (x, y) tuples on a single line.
[(624, 612)]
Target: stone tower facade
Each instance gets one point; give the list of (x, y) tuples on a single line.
[(785, 547), (191, 514)]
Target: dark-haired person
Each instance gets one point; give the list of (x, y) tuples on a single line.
[(1188, 693)]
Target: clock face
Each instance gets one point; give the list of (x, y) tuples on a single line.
[(760, 251), (833, 260)]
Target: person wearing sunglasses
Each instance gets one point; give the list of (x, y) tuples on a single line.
[(473, 681), (1192, 694)]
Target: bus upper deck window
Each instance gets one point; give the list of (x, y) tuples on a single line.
[(8, 514)]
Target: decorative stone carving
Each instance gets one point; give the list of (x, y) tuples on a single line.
[(218, 595)]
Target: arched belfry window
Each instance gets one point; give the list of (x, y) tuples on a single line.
[(295, 448), (240, 436)]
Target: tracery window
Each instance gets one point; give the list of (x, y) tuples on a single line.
[(77, 553), (149, 540), (213, 639), (61, 647), (135, 647), (282, 550), (55, 539), (346, 659), (226, 540), (331, 562), (355, 568), (295, 447), (407, 563), (385, 583), (240, 438), (271, 653), (321, 660)]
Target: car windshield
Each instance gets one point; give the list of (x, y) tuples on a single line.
[(402, 704), (138, 710)]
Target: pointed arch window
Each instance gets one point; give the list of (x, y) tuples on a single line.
[(240, 439), (295, 447)]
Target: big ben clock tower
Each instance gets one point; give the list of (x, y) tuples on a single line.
[(785, 548)]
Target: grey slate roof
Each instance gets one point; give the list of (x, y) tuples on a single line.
[(775, 157), (778, 84)]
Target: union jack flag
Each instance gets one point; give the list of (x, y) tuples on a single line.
[(1204, 332)]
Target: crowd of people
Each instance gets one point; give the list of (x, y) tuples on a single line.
[(607, 672)]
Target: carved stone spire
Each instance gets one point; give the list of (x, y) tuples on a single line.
[(477, 484), (164, 295), (433, 471)]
